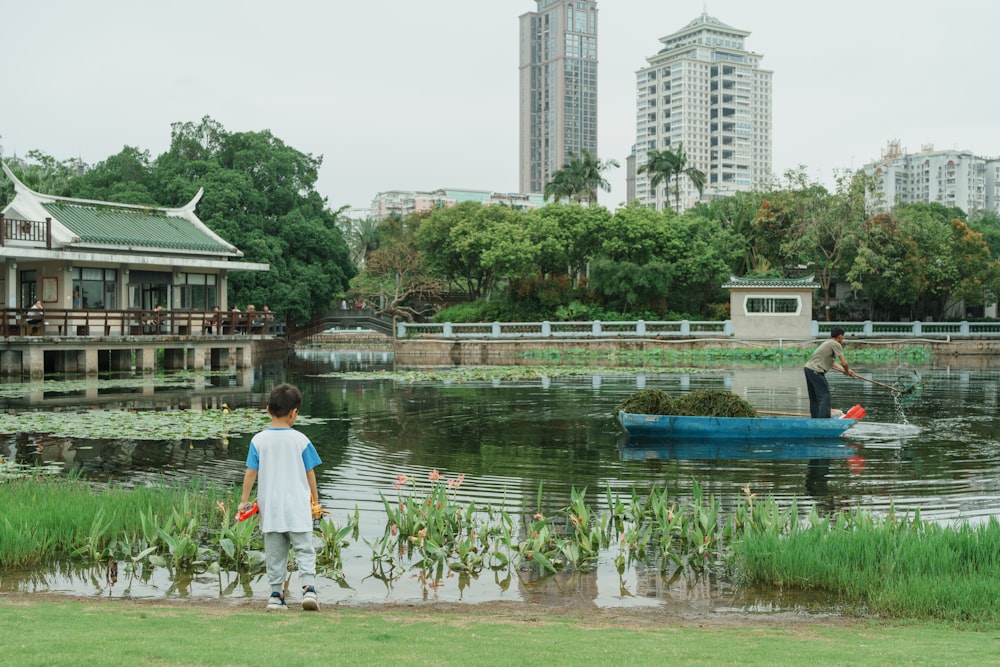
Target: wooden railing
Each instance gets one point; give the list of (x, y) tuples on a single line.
[(88, 322), (32, 231)]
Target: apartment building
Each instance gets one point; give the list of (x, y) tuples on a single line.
[(704, 90), (405, 202), (954, 178)]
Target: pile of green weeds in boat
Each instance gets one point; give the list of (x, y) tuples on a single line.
[(699, 403)]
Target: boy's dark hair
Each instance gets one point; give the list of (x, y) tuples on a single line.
[(283, 399), (836, 331)]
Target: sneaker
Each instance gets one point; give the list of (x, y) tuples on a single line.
[(309, 601), (276, 602)]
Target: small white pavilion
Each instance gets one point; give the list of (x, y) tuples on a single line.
[(771, 307)]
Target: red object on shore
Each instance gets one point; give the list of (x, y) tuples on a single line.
[(250, 510), (857, 412)]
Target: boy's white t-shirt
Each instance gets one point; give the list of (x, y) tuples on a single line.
[(281, 457)]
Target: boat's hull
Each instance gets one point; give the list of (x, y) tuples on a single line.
[(669, 427), (731, 449)]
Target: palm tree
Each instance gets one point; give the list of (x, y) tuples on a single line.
[(592, 172), (580, 178), (667, 165), (563, 184)]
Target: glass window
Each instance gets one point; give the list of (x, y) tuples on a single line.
[(29, 288), (779, 305), (197, 291), (95, 288)]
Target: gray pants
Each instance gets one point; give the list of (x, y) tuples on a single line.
[(276, 547)]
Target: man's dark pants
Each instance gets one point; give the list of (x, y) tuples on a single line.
[(819, 394)]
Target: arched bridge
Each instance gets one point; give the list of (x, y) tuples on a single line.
[(350, 318)]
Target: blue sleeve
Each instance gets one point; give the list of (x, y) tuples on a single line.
[(253, 459), (310, 459)]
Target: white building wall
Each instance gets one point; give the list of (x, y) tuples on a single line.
[(954, 178)]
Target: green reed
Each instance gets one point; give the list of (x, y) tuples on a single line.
[(48, 519), (893, 566)]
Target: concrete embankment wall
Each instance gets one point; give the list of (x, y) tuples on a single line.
[(440, 352)]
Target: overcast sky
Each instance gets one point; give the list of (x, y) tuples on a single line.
[(396, 94)]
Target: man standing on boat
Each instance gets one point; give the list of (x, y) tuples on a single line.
[(819, 364)]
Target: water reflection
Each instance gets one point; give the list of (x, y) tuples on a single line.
[(942, 455)]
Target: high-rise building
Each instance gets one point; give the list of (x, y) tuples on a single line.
[(558, 88), (948, 177), (704, 91)]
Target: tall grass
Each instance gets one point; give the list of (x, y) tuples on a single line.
[(46, 518), (891, 566)]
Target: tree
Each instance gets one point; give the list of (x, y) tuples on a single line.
[(363, 236), (475, 246), (736, 213), (40, 172), (125, 178), (987, 223), (563, 185), (260, 196), (395, 279), (567, 237), (580, 179), (655, 261), (825, 231), (666, 165)]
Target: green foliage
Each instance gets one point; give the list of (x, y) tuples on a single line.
[(476, 246), (479, 310), (666, 165), (259, 195), (580, 179), (40, 172)]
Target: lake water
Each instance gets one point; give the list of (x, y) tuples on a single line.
[(941, 454)]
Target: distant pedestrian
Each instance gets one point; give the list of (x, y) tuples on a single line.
[(214, 321), (343, 304), (36, 314)]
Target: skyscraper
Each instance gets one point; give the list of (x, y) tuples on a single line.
[(705, 91), (558, 88)]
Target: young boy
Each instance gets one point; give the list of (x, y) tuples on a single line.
[(281, 461)]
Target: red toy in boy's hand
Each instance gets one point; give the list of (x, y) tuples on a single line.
[(247, 512)]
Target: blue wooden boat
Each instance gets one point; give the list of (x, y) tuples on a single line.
[(669, 427), (735, 449)]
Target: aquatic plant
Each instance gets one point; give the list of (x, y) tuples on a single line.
[(883, 563), (141, 425), (698, 403)]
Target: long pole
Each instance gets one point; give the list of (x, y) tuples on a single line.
[(876, 382)]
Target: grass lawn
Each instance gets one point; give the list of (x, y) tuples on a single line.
[(52, 630)]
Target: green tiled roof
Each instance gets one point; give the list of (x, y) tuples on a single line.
[(133, 227), (771, 282)]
